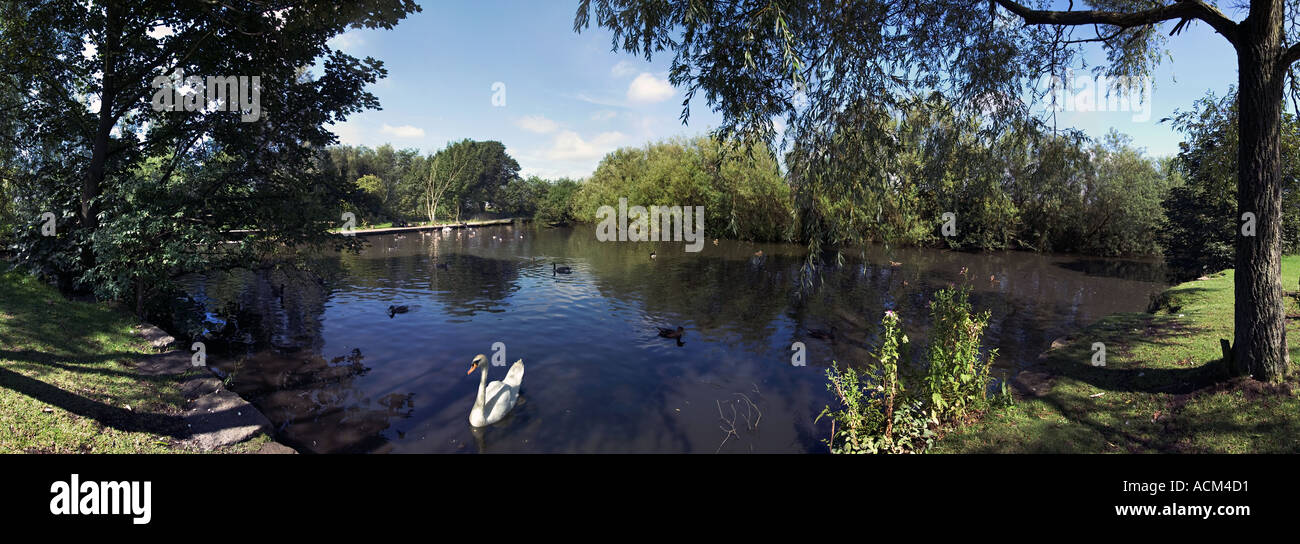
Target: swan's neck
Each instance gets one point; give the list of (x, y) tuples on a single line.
[(482, 390)]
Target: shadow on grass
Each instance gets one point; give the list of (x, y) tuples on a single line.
[(44, 363), (110, 416), (1126, 337), (50, 343)]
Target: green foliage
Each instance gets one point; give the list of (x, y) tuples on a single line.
[(957, 377), (877, 418), (557, 205), (1203, 209), (1028, 188), (741, 189), (521, 196), (883, 416), (141, 194)]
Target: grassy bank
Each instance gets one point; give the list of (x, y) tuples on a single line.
[(67, 383), (1161, 390)]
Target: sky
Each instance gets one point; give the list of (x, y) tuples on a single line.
[(516, 72)]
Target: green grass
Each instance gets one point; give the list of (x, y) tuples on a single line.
[(67, 384), (1162, 388)]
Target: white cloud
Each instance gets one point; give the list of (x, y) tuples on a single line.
[(404, 131), (647, 88), (622, 69), (778, 124), (347, 40), (599, 101), (603, 115), (568, 145), (347, 133), (538, 124)]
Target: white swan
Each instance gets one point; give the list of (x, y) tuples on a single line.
[(495, 399)]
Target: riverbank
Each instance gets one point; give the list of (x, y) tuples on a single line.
[(72, 381), (1160, 391), (388, 228)]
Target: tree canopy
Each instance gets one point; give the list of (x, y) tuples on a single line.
[(827, 64), (204, 187)]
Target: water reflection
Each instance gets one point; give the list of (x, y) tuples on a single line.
[(337, 372)]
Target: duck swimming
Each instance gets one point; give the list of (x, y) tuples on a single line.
[(670, 333), (560, 269), (822, 334), (394, 310)]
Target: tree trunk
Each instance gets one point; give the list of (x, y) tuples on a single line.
[(94, 178), (1260, 349)]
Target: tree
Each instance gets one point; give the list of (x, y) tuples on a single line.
[(813, 62), (467, 174), (446, 177), (556, 205), (520, 197), (90, 75), (1203, 227)]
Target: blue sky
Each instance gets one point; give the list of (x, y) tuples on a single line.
[(569, 99)]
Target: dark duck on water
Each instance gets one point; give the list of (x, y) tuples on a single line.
[(671, 333), (823, 334)]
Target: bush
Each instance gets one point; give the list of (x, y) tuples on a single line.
[(884, 417), (557, 204), (742, 190), (957, 378)]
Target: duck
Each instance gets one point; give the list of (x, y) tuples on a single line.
[(495, 399), (446, 229), (671, 333), (394, 310), (652, 254), (560, 269), (823, 334)]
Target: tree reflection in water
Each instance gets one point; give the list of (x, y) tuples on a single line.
[(600, 379)]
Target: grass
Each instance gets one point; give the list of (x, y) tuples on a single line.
[(67, 384), (1162, 388)]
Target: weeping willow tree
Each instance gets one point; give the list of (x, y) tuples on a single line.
[(814, 62)]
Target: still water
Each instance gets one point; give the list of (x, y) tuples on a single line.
[(335, 371)]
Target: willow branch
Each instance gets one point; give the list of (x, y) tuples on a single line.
[(1180, 9)]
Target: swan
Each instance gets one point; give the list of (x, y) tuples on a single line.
[(495, 399)]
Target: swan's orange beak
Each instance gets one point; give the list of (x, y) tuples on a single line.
[(472, 368)]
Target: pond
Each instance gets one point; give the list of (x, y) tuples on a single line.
[(336, 371)]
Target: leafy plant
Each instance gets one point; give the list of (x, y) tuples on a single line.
[(957, 378), (879, 415)]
